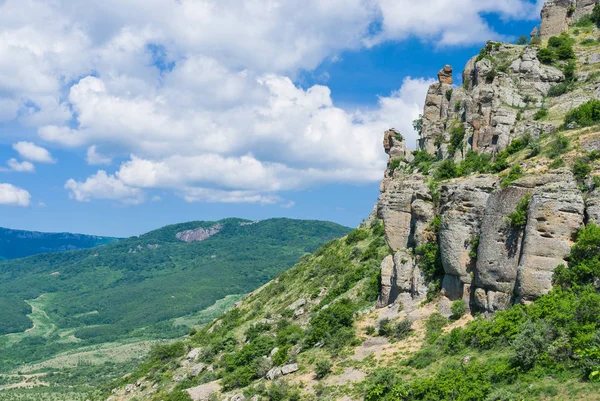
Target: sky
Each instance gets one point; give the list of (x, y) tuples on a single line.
[(120, 116)]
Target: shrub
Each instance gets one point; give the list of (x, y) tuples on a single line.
[(530, 343), (356, 236), (331, 320), (370, 330), (514, 174), (535, 41), (541, 113), (474, 163), (565, 52), (177, 395), (322, 369), (459, 308), (418, 125), (457, 135), (559, 89), (423, 161), (449, 94), (446, 170), (585, 115), (558, 146), (585, 21), (490, 75), (458, 105), (281, 356), (588, 42), (584, 262), (595, 16), (394, 164), (546, 55), (522, 40), (557, 163), (518, 219), (402, 329), (433, 327), (430, 260), (582, 168), (385, 327)]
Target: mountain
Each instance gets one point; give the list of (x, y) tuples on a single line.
[(476, 278), (148, 287), (19, 244)]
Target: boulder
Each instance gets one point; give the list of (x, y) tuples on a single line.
[(274, 373), (289, 369)]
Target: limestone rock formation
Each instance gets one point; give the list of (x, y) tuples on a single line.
[(486, 260), (558, 15)]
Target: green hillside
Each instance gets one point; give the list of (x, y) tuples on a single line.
[(137, 287), (20, 244)]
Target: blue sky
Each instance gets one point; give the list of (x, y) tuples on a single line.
[(119, 120)]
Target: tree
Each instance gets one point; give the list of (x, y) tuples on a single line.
[(522, 40)]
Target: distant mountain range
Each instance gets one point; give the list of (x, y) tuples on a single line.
[(19, 243)]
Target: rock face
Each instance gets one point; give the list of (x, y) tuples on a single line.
[(495, 84), (558, 15), (487, 261), (199, 234)]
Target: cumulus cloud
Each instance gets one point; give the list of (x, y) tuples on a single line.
[(94, 158), (456, 22), (15, 196), (201, 96), (103, 186), (33, 152), (21, 167)]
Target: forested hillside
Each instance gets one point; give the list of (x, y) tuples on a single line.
[(135, 288)]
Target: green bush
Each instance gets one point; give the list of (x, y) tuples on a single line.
[(585, 115), (518, 219), (394, 164), (459, 308), (356, 236), (541, 113), (546, 55), (558, 146), (329, 321), (177, 395), (402, 329), (449, 94), (433, 327), (582, 168), (430, 260), (589, 42), (559, 89), (557, 163), (530, 343), (418, 125), (323, 368), (522, 40), (514, 174), (281, 356), (457, 135), (595, 16), (584, 262), (422, 161), (446, 170)]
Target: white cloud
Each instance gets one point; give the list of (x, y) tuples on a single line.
[(22, 167), (317, 143), (202, 92), (11, 195), (445, 22), (103, 186), (94, 158), (33, 152)]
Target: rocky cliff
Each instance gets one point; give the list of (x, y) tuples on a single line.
[(507, 113)]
